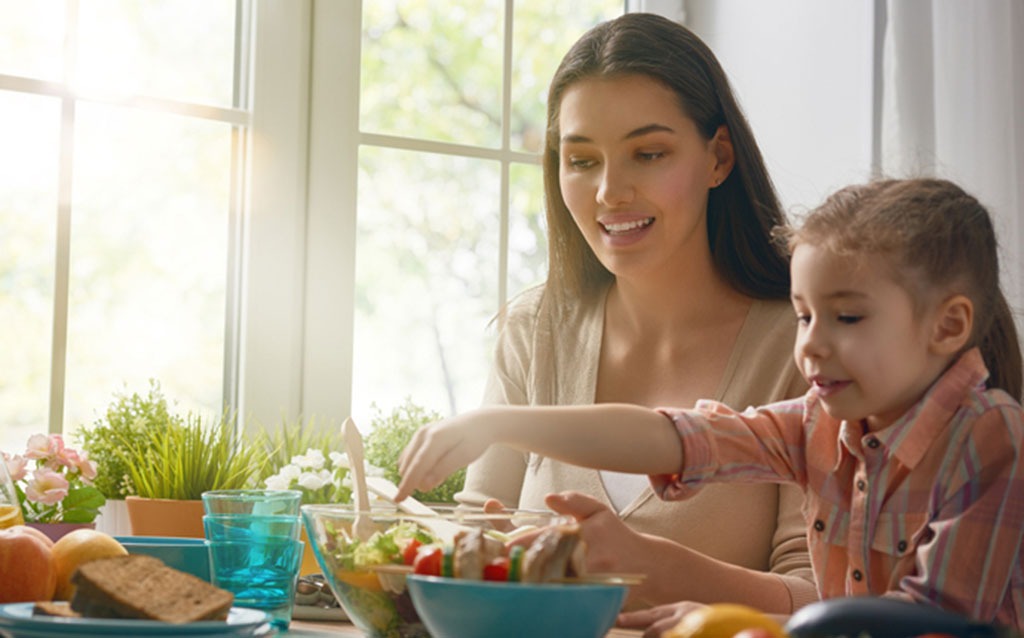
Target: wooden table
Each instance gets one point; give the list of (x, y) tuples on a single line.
[(309, 629)]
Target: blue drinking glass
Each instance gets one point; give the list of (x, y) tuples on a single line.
[(261, 573)]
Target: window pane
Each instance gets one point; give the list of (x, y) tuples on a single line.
[(543, 31), (28, 213), (31, 38), (176, 49), (426, 280), (432, 70), (527, 236), (148, 261)]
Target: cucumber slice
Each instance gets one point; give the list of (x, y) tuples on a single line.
[(448, 561), (515, 563)]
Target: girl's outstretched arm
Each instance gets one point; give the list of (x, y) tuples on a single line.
[(609, 436)]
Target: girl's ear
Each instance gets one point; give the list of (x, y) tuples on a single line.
[(725, 156), (954, 319)]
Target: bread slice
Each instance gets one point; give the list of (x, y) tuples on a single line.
[(54, 608), (138, 586)]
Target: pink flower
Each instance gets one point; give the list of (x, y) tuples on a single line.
[(86, 467), (41, 446), (17, 466), (46, 486), (65, 456)]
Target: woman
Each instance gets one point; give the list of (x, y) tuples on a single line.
[(663, 287)]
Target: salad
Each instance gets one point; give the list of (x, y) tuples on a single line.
[(377, 601), (368, 576)]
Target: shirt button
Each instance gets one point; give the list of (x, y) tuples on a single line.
[(873, 443), (901, 546), (819, 525), (861, 485), (857, 575)]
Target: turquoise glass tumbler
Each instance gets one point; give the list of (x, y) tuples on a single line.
[(252, 537), (254, 502), (260, 573)]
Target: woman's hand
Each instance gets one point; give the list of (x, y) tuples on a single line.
[(609, 540), (656, 620)]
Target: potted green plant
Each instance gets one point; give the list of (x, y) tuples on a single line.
[(172, 468), (134, 417), (391, 432)]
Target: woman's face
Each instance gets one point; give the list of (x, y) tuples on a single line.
[(635, 173)]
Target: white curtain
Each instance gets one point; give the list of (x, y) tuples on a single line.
[(953, 106)]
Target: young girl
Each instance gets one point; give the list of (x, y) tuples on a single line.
[(908, 444)]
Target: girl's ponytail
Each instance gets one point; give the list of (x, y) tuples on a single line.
[(1000, 349)]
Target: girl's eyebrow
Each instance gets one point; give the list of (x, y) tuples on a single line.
[(573, 138), (836, 294)]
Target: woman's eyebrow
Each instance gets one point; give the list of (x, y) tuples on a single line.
[(650, 128), (575, 138)]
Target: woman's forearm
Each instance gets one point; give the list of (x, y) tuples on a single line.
[(676, 573)]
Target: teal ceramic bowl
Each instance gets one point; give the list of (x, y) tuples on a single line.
[(187, 554), (455, 608)]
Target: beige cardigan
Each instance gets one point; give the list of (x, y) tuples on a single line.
[(547, 361)]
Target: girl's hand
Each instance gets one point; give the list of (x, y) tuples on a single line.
[(656, 620), (439, 449)]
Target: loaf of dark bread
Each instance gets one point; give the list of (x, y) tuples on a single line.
[(137, 586)]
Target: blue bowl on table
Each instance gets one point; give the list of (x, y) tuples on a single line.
[(453, 607), (187, 554)]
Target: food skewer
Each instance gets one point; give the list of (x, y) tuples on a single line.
[(602, 578)]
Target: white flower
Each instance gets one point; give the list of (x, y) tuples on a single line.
[(311, 481), (278, 482), (340, 459), (311, 460), (317, 477)]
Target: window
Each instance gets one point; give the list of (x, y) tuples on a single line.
[(123, 134), (342, 243), (450, 214)]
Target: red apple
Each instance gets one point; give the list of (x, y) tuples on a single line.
[(27, 566)]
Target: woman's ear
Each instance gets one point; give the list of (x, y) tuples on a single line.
[(725, 156), (954, 320)]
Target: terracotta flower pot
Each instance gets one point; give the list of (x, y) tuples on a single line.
[(165, 517), (54, 531)]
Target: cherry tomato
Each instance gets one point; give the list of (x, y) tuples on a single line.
[(428, 562), (497, 569), (409, 553)]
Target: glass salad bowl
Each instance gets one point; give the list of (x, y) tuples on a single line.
[(366, 556)]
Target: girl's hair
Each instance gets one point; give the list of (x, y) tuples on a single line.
[(741, 211), (939, 241)]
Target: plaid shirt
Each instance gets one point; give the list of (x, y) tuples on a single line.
[(929, 509)]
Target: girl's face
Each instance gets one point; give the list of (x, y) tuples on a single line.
[(635, 173), (859, 343)]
